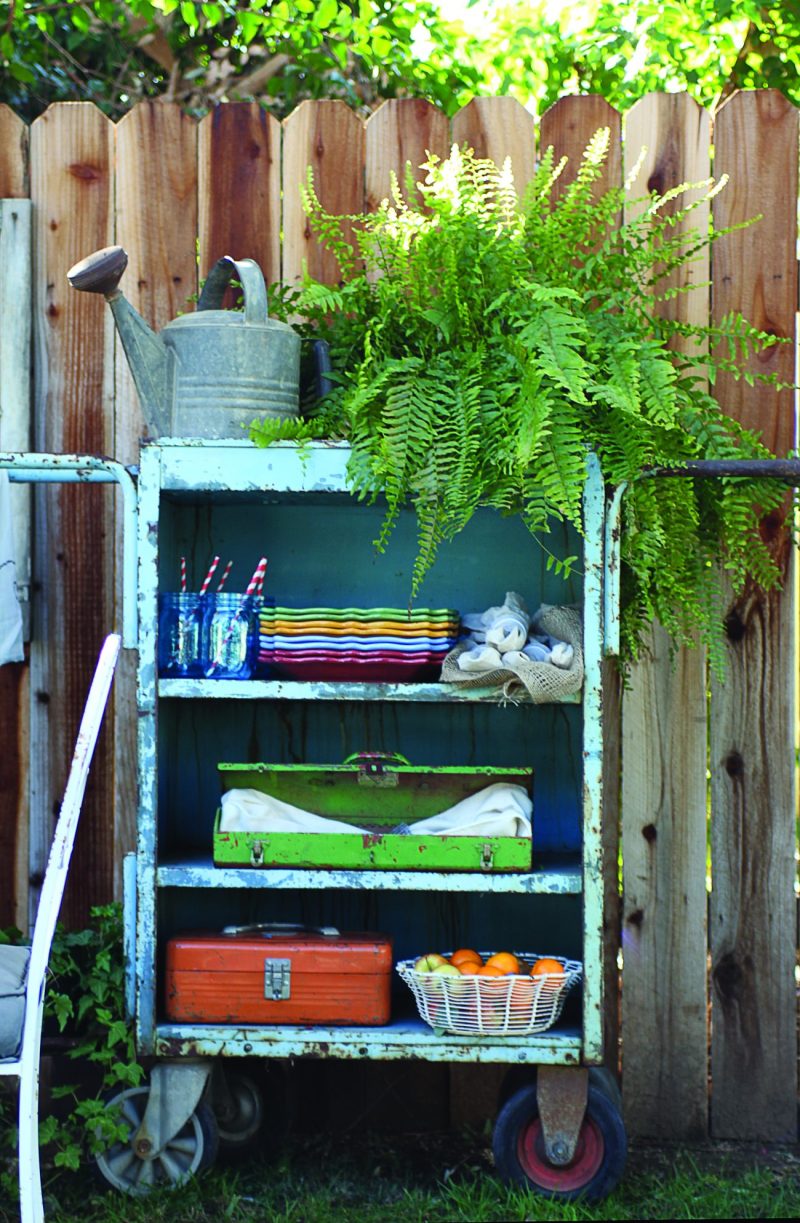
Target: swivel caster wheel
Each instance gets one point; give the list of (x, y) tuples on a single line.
[(597, 1162), (238, 1104), (131, 1167)]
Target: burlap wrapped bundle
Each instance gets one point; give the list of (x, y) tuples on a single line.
[(541, 680)]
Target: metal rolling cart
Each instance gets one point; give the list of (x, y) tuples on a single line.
[(559, 1127)]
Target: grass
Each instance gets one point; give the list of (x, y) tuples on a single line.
[(428, 1178)]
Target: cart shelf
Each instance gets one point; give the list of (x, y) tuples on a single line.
[(289, 690), (233, 499), (404, 1038), (557, 880)]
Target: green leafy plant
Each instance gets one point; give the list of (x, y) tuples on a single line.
[(85, 999), (481, 346)]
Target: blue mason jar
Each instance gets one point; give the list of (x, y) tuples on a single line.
[(230, 636), (180, 634)]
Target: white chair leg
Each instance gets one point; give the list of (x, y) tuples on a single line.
[(31, 1206)]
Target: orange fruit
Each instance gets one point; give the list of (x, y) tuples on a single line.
[(491, 970), (505, 961), (465, 955), (520, 1000), (469, 968), (547, 965)]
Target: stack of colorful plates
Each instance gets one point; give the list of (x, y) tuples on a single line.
[(378, 644)]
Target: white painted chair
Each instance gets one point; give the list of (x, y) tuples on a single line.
[(23, 970)]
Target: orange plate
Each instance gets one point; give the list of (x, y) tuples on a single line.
[(333, 979)]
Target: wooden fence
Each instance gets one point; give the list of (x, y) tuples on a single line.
[(170, 188)]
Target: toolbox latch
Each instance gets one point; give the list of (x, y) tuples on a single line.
[(277, 979), (487, 856), (257, 854), (374, 768)]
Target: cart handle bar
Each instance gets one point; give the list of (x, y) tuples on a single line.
[(787, 470)]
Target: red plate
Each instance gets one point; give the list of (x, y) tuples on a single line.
[(327, 666)]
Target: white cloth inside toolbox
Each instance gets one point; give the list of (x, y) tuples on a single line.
[(499, 810)]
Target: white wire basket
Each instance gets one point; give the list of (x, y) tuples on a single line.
[(513, 1005)]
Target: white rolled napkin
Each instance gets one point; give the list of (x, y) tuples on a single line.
[(480, 658)]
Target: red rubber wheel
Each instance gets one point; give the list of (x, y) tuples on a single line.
[(565, 1178), (596, 1165)]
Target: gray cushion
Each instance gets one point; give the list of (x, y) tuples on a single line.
[(13, 976)]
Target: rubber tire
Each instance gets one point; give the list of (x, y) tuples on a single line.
[(241, 1131), (521, 1076), (606, 1081), (599, 1159), (200, 1130)]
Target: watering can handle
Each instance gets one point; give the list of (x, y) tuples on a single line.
[(255, 291)]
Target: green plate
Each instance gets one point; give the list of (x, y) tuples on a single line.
[(360, 613)]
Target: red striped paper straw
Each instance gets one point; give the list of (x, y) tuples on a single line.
[(224, 577), (257, 578), (183, 575), (209, 575), (252, 587)]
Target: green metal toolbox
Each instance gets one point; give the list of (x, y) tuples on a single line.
[(383, 799)]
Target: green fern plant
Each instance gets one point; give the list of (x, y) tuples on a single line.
[(481, 347)]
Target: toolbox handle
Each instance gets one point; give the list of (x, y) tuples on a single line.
[(376, 759), (272, 929)]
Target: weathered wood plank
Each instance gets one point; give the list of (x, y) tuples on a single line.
[(755, 269), (569, 127), (329, 137), (156, 223), (14, 173), (239, 198), (612, 900), (499, 128), (664, 1001), (71, 157), (754, 1039), (15, 374), (15, 435), (401, 132), (14, 783), (15, 424)]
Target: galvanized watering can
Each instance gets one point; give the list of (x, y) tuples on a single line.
[(209, 373)]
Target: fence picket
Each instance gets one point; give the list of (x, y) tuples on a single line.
[(71, 189), (14, 677), (664, 756), (499, 128), (15, 423), (401, 131), (753, 1050), (14, 177), (569, 124), (328, 137), (156, 223), (239, 169)]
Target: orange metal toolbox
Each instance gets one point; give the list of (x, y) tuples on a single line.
[(278, 973)]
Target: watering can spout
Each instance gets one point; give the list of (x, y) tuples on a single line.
[(151, 361)]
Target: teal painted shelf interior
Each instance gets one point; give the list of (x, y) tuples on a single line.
[(231, 500)]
